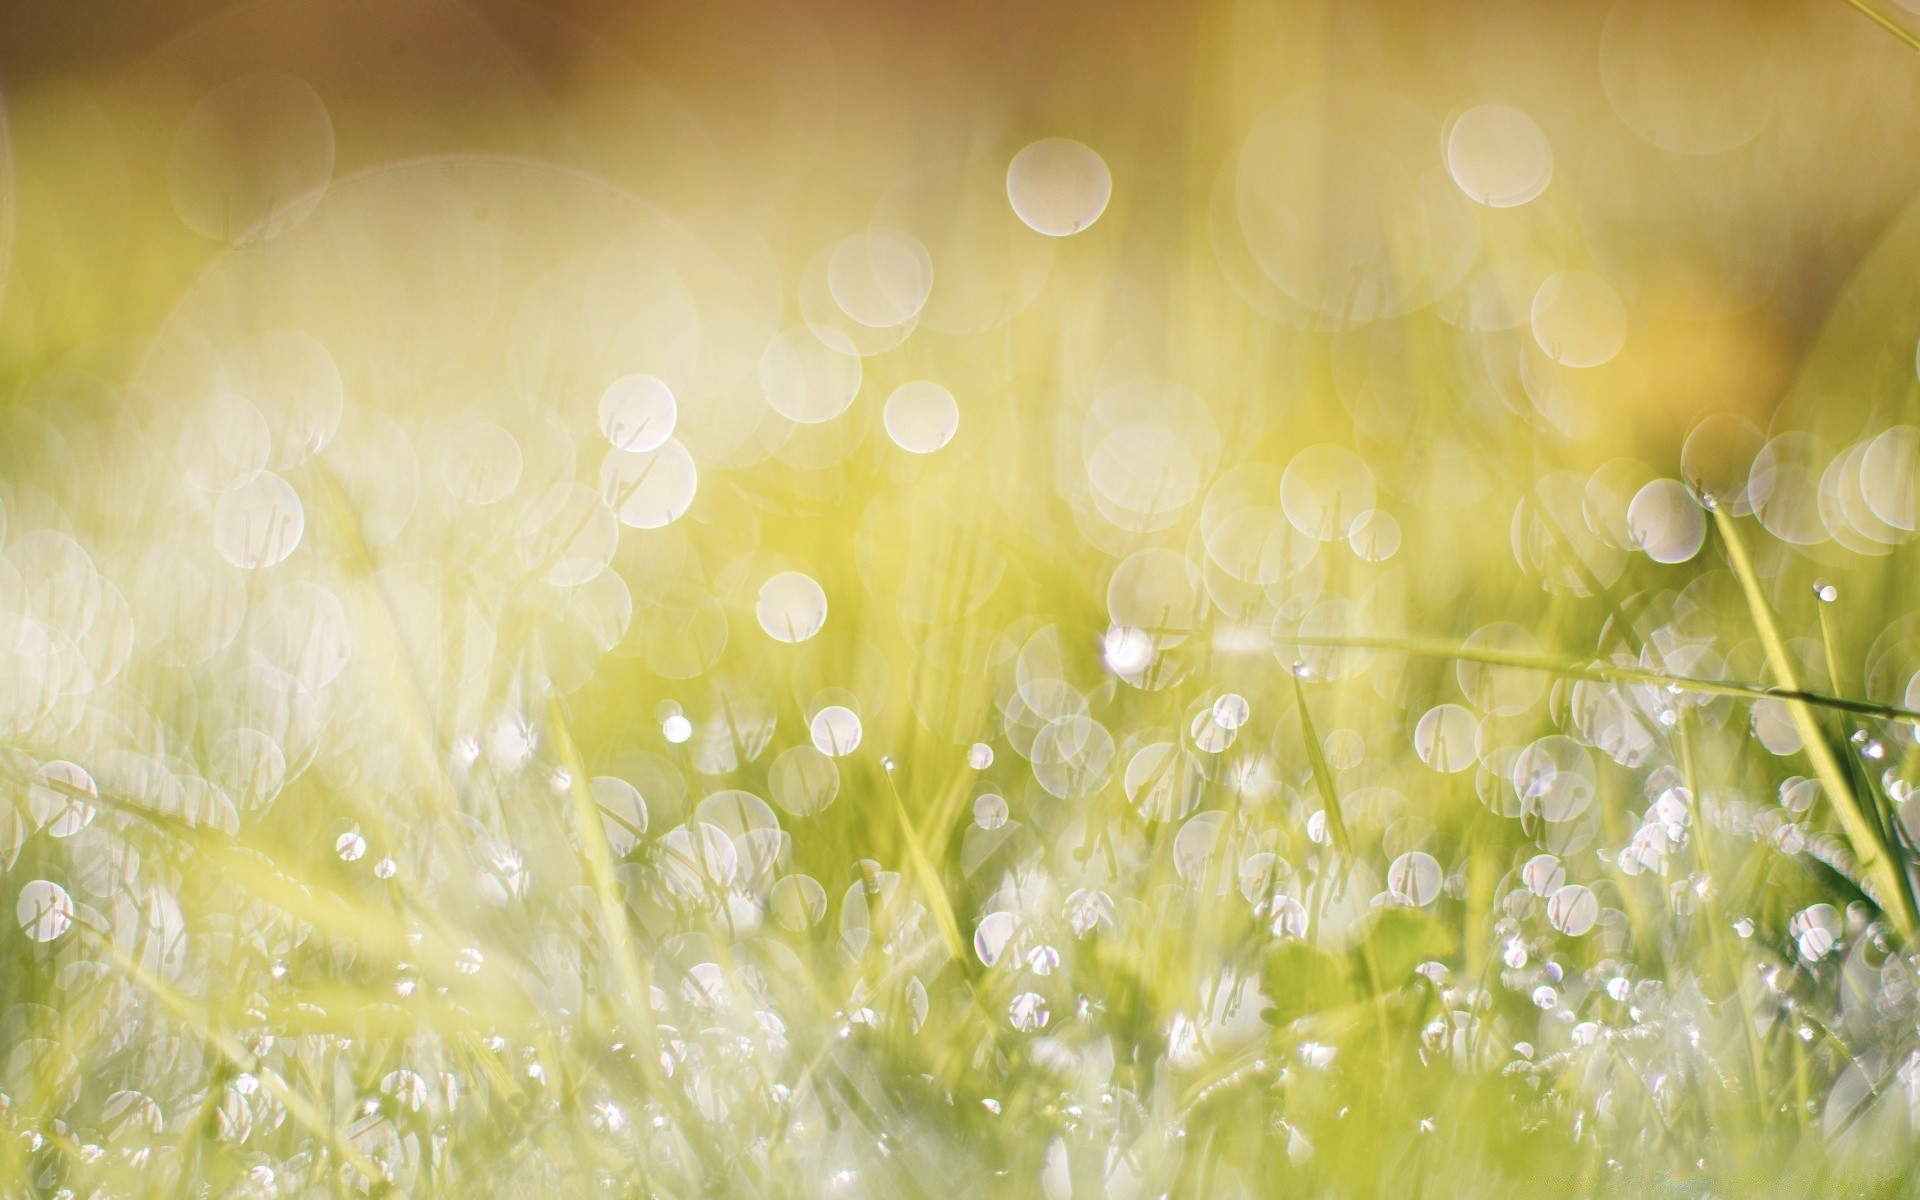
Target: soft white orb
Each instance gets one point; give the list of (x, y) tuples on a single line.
[(1058, 186)]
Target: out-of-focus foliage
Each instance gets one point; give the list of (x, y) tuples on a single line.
[(1051, 600)]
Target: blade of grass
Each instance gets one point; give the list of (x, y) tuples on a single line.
[(1877, 863), (1322, 774), (303, 1112), (929, 878), (1600, 672), (1867, 10)]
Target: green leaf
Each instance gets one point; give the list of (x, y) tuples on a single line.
[(1403, 938), (1302, 980)]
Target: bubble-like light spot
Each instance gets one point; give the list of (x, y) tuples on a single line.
[(921, 416), (44, 910), (649, 489), (1498, 156), (1773, 726), (676, 729), (1058, 186), (1887, 473), (1158, 593), (1717, 458), (252, 159), (698, 858), (803, 780), (350, 846), (1414, 878), (980, 756), (880, 277), (1290, 918), (1444, 738), (623, 814), (1231, 711), (224, 442), (1326, 490), (293, 380), (990, 811), (1071, 755), (259, 523), (797, 903), (1666, 522), (791, 607), (1028, 1012), (835, 730), (1691, 78), (637, 413), (986, 266), (1374, 536), (248, 766), (1543, 874), (301, 629), (1578, 319), (1127, 651), (60, 798), (991, 937), (1505, 691), (805, 380), (481, 464), (1208, 734), (1784, 487), (568, 534), (1163, 781), (1554, 777), (1341, 212), (1814, 944), (1573, 910)]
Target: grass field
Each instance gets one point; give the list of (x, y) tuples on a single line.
[(1210, 601)]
